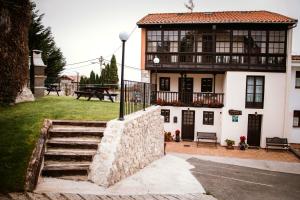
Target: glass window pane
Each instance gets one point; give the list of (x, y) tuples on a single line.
[(250, 97), (259, 81), (250, 81), (250, 89), (259, 89), (258, 98)]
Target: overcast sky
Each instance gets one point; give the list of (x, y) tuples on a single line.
[(88, 29)]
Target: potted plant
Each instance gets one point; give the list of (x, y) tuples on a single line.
[(168, 137), (229, 143), (177, 135), (243, 145)]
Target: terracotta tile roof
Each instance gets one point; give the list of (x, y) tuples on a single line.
[(216, 17)]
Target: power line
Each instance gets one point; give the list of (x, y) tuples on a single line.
[(81, 62)]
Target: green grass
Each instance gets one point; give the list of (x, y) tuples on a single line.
[(20, 126)]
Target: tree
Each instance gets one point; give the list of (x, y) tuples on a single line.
[(40, 37), (97, 79), (92, 77), (14, 24), (113, 71)]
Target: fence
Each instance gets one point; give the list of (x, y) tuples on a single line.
[(137, 96)]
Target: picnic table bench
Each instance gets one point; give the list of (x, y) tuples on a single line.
[(206, 136), (277, 143), (53, 88), (98, 92)]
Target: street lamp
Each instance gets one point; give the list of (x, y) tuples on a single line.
[(156, 62), (123, 37)]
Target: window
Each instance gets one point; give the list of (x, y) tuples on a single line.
[(297, 79), (255, 92), (296, 119), (258, 42), (154, 41), (164, 84), (240, 41), (223, 42), (206, 85), (208, 118), (276, 42), (186, 41), (166, 114), (171, 41)]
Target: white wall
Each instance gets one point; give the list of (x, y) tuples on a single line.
[(177, 112), (273, 111), (293, 133)]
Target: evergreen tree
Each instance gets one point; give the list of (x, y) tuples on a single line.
[(14, 24), (40, 37), (113, 71), (97, 79), (92, 77)]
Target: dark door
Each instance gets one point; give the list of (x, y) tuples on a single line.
[(254, 130), (188, 125), (186, 90)]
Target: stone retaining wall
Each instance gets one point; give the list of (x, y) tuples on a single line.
[(128, 146)]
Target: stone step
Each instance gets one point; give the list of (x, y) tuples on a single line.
[(77, 144), (62, 169), (75, 133), (69, 155), (79, 123)]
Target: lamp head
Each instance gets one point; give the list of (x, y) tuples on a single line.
[(156, 60), (124, 36)]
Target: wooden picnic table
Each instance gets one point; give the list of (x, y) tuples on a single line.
[(53, 88), (98, 92)]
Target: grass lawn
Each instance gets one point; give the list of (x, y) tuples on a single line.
[(20, 125)]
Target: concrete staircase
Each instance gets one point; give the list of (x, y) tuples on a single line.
[(70, 148)]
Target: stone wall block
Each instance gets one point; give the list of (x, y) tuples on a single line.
[(128, 146)]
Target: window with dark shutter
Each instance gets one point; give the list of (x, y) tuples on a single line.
[(297, 79), (166, 114), (255, 92), (164, 84), (296, 119), (208, 118), (206, 84)]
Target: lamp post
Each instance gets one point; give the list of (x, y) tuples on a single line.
[(123, 37), (156, 62)]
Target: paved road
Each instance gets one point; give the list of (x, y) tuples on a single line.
[(59, 196), (232, 182)]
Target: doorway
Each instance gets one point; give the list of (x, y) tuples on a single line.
[(254, 130), (188, 125), (185, 88)]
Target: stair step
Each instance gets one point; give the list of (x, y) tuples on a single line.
[(80, 144), (83, 138), (75, 133), (79, 123), (69, 155), (57, 170)]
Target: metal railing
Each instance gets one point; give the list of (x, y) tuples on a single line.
[(137, 96), (193, 99)]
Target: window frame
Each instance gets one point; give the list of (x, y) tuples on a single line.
[(296, 114), (164, 87), (254, 104), (297, 76), (210, 115), (202, 80), (166, 114)]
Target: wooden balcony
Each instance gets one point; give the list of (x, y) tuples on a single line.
[(196, 99)]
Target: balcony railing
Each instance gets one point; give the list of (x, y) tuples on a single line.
[(196, 99)]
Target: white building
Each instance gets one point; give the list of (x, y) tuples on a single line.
[(228, 73)]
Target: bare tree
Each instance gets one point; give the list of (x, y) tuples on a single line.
[(190, 5)]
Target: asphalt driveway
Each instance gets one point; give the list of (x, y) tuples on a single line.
[(225, 182)]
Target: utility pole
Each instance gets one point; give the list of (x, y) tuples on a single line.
[(101, 62)]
